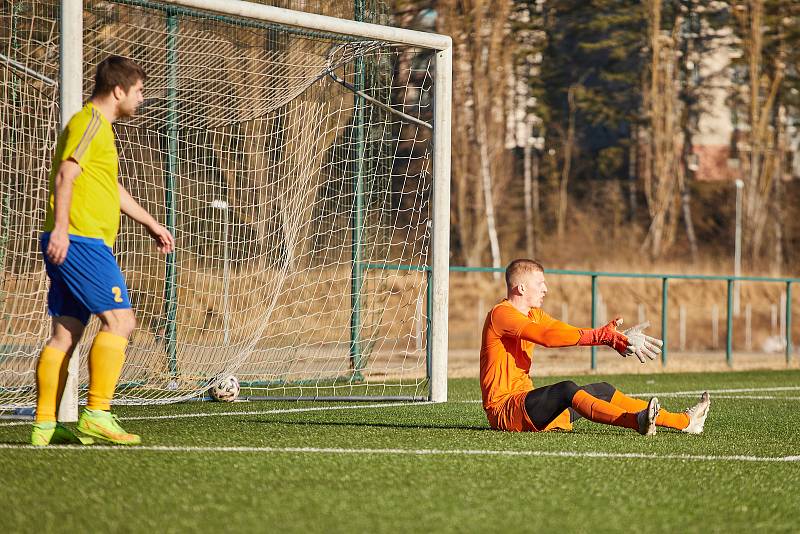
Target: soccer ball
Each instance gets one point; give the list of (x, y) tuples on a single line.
[(226, 390)]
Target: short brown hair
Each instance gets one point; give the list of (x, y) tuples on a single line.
[(519, 267), (116, 71)]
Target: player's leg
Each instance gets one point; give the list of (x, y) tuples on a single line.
[(51, 368), (69, 320), (544, 404), (106, 359), (107, 356), (690, 420), (51, 377), (93, 276), (601, 390)]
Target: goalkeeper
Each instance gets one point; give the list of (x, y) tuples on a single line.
[(511, 402)]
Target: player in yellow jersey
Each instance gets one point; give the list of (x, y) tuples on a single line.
[(80, 229), (511, 402)]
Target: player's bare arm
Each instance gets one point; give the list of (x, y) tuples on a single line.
[(165, 242), (68, 172)]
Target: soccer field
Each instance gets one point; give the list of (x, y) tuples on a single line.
[(371, 467)]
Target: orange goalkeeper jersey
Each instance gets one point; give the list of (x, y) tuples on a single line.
[(506, 350)]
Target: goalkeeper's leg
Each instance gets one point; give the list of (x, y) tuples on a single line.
[(678, 421), (544, 404)]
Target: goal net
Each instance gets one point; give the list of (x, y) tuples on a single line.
[(295, 165)]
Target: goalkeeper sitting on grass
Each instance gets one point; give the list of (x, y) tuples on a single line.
[(509, 398)]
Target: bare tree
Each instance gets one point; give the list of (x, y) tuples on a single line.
[(482, 59), (758, 145), (660, 148)]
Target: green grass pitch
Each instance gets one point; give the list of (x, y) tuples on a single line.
[(415, 468)]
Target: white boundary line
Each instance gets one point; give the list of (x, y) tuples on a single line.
[(411, 452), (700, 391)]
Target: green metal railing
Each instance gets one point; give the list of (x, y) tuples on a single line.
[(665, 278)]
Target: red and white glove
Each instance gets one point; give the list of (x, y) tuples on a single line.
[(607, 335)]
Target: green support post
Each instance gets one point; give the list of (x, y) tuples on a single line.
[(594, 319), (428, 315), (357, 272), (729, 322), (664, 318), (170, 285), (788, 323)]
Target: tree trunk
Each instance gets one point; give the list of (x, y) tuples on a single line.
[(488, 197), (569, 145), (528, 193)]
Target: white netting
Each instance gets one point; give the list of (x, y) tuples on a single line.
[(290, 197)]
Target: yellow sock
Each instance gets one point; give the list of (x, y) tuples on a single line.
[(105, 365), (51, 376)]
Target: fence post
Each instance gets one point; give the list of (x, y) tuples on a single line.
[(682, 327), (788, 322), (664, 311), (748, 327), (729, 341), (594, 319), (714, 327)]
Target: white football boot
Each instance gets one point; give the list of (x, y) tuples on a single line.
[(647, 418), (697, 415)]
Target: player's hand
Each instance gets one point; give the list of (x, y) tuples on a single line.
[(57, 247), (165, 243), (606, 335), (642, 345)]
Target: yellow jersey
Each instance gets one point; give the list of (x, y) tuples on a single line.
[(88, 139)]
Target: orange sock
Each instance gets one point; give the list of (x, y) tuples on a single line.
[(105, 365), (51, 377), (600, 411), (678, 421)]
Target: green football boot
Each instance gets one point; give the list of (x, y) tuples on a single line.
[(105, 425), (56, 434)]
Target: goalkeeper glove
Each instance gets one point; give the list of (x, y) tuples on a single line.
[(606, 335), (642, 345)]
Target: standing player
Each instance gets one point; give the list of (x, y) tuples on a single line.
[(509, 398), (81, 227)]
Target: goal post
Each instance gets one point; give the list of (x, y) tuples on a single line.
[(303, 163)]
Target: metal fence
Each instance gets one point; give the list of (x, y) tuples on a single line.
[(731, 292)]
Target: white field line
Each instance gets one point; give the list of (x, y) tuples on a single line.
[(699, 391), (259, 412), (411, 452)]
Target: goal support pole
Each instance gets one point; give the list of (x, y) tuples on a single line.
[(70, 96), (441, 224)]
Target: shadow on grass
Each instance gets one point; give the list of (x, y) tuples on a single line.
[(367, 424)]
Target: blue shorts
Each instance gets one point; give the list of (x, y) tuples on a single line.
[(88, 282)]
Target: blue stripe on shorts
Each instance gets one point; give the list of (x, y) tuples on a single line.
[(88, 282)]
